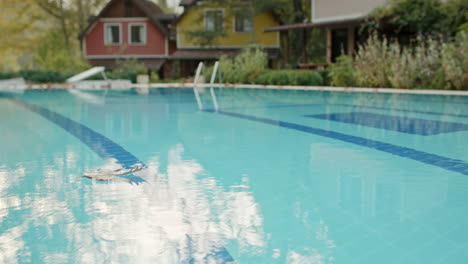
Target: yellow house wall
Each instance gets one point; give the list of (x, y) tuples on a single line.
[(191, 22)]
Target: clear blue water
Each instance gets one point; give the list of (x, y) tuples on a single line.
[(273, 177)]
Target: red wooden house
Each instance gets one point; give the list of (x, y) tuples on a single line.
[(128, 29)]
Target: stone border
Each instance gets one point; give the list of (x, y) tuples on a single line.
[(253, 86), (307, 88)]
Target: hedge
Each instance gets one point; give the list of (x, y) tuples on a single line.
[(266, 77), (288, 77), (36, 76)]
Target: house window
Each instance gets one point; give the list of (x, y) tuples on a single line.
[(214, 20), (137, 33), (243, 21), (112, 34)]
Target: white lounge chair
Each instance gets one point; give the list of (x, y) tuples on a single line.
[(78, 81), (16, 85)]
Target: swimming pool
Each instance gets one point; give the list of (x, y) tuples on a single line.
[(272, 177)]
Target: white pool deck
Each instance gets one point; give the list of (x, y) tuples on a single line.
[(253, 86)]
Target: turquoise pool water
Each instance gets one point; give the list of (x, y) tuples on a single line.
[(272, 177)]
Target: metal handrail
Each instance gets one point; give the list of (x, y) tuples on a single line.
[(195, 85), (215, 73), (213, 78)]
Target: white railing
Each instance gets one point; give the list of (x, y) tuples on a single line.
[(195, 85), (214, 74)]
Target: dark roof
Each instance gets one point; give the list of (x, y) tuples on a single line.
[(166, 17), (187, 2), (151, 10), (213, 54), (346, 22)]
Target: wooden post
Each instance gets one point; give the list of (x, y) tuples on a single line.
[(328, 33), (304, 52), (351, 40), (286, 49)]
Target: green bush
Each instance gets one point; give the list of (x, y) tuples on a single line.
[(8, 75), (244, 66), (249, 67), (455, 63), (428, 64), (289, 77), (371, 63), (37, 76), (52, 55), (342, 72), (326, 77), (127, 69)]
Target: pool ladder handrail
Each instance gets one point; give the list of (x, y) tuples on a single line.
[(201, 67), (195, 85)]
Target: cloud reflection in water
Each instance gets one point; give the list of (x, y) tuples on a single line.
[(177, 216)]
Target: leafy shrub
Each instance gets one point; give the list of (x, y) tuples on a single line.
[(455, 62), (371, 64), (326, 77), (154, 77), (342, 72), (7, 75), (403, 68), (127, 69), (37, 76), (250, 67), (428, 64), (244, 66), (51, 55), (422, 65), (278, 78), (289, 77)]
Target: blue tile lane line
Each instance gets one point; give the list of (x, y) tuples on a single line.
[(357, 106), (106, 148), (404, 110), (407, 125), (98, 143), (450, 164)]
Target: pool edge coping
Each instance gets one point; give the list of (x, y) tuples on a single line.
[(248, 86), (305, 88)]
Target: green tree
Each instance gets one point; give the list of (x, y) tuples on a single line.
[(456, 16), (52, 55), (431, 17), (21, 23), (71, 15)]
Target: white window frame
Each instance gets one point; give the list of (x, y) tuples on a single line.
[(213, 9), (120, 34), (145, 34)]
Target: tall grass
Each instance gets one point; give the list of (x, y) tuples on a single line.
[(428, 64)]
